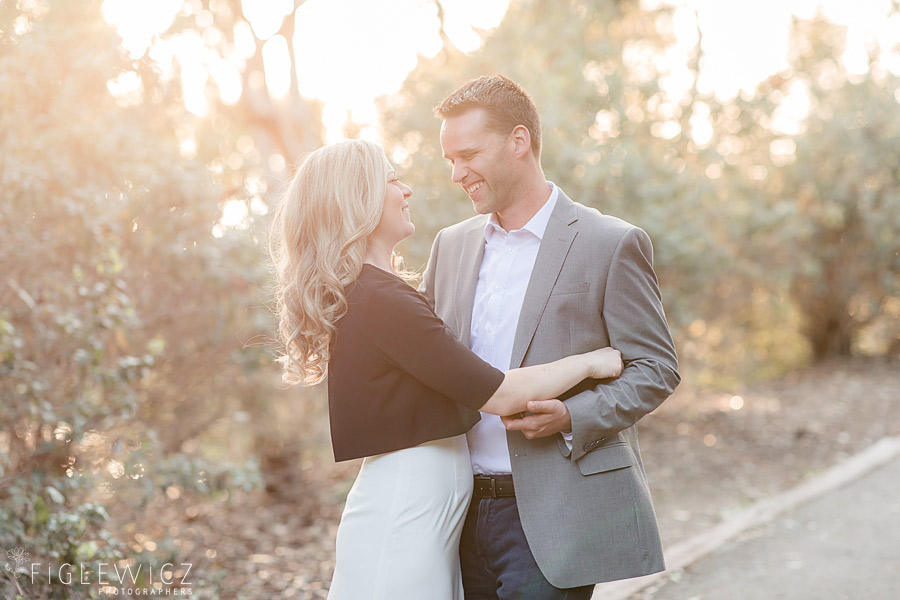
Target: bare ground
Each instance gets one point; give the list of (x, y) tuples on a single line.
[(707, 454)]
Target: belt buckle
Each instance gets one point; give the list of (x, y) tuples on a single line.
[(494, 488)]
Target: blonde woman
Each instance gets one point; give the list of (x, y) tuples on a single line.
[(402, 391)]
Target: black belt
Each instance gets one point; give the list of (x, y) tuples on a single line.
[(494, 486)]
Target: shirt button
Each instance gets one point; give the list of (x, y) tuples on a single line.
[(497, 288), (509, 250)]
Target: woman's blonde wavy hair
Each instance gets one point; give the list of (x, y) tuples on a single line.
[(318, 245)]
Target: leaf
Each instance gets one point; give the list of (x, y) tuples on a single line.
[(87, 550), (55, 494), (41, 512)]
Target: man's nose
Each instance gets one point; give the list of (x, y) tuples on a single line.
[(459, 173)]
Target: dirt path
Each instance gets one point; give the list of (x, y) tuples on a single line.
[(707, 455)]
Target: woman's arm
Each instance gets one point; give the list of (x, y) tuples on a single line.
[(540, 382)]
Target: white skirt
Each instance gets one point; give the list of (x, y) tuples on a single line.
[(399, 533)]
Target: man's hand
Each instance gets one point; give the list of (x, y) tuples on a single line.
[(547, 418)]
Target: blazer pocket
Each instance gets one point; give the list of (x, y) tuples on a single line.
[(570, 288), (606, 458)]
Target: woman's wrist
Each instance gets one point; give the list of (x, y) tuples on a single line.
[(588, 365)]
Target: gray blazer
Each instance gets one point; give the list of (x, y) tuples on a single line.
[(587, 513)]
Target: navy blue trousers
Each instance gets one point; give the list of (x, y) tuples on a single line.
[(496, 561)]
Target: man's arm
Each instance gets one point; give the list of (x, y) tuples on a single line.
[(636, 324), (637, 327), (426, 287)]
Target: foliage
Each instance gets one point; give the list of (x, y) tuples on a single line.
[(746, 292), (249, 140), (121, 316), (133, 371), (840, 198)]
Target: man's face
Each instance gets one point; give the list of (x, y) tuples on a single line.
[(480, 159)]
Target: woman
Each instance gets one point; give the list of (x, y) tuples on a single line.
[(402, 391)]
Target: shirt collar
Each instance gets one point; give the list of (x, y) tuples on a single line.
[(537, 225)]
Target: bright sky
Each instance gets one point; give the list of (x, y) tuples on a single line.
[(745, 42), (348, 51), (351, 51)]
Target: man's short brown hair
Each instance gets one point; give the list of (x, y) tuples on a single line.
[(506, 103)]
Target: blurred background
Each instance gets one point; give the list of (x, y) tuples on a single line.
[(143, 142)]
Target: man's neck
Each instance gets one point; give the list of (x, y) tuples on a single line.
[(530, 202)]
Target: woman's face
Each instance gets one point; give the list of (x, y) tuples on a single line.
[(395, 225)]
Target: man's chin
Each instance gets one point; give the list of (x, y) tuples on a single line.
[(481, 208)]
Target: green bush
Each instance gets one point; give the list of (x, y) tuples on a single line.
[(118, 306)]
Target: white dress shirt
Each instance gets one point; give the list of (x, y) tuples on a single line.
[(502, 280)]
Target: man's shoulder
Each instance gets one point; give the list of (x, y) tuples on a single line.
[(460, 229), (592, 220)]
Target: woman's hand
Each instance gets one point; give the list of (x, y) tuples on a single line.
[(605, 363), (539, 382)]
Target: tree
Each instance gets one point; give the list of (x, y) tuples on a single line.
[(842, 192), (755, 228), (821, 196), (280, 130), (118, 307), (601, 107)]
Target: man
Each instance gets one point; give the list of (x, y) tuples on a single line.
[(561, 500)]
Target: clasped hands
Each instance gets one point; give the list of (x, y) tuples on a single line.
[(544, 417), (548, 417)]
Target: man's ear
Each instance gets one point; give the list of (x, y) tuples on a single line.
[(521, 140)]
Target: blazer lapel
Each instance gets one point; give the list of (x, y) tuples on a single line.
[(555, 246), (467, 279)]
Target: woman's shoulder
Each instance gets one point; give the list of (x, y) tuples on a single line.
[(375, 287), (372, 278)]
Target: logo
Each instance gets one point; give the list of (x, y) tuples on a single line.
[(113, 579), (19, 557)]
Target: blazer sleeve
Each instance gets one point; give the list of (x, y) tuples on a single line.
[(636, 324), (410, 336), (426, 287)]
